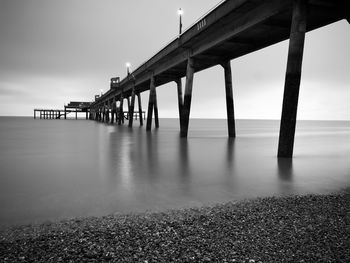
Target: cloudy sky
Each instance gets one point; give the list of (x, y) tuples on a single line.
[(53, 52)]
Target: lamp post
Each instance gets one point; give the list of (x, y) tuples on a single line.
[(128, 65), (180, 13)]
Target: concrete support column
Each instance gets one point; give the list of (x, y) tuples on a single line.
[(34, 114), (179, 98), (229, 99), (121, 110), (128, 99), (156, 118), (76, 114), (188, 97), (140, 108), (131, 109), (152, 104), (113, 111), (107, 111), (103, 112), (65, 113), (292, 80)]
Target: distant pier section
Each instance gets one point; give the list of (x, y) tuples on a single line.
[(72, 107), (48, 113), (81, 107)]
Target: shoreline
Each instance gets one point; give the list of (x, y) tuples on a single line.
[(307, 228)]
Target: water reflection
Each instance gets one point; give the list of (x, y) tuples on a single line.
[(112, 168), (285, 175), (285, 169), (184, 167), (152, 155)]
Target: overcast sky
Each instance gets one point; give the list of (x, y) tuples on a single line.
[(53, 52)]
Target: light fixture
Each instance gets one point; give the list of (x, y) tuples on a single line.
[(128, 65), (180, 13)]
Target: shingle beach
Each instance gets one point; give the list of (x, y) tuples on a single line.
[(310, 228)]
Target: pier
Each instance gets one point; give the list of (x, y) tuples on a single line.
[(233, 29), (77, 106), (48, 113)]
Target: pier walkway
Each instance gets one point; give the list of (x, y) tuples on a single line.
[(233, 29)]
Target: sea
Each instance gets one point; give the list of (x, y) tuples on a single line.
[(62, 169)]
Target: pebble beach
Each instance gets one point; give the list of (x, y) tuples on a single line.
[(308, 228)]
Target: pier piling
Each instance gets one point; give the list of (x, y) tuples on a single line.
[(179, 98), (131, 110), (292, 80), (140, 108), (121, 111), (229, 99), (188, 97), (152, 105)]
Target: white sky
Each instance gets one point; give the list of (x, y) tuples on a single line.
[(53, 52)]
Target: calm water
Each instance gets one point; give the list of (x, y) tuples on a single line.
[(54, 169)]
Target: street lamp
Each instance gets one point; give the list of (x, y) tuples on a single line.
[(180, 13), (128, 65)]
